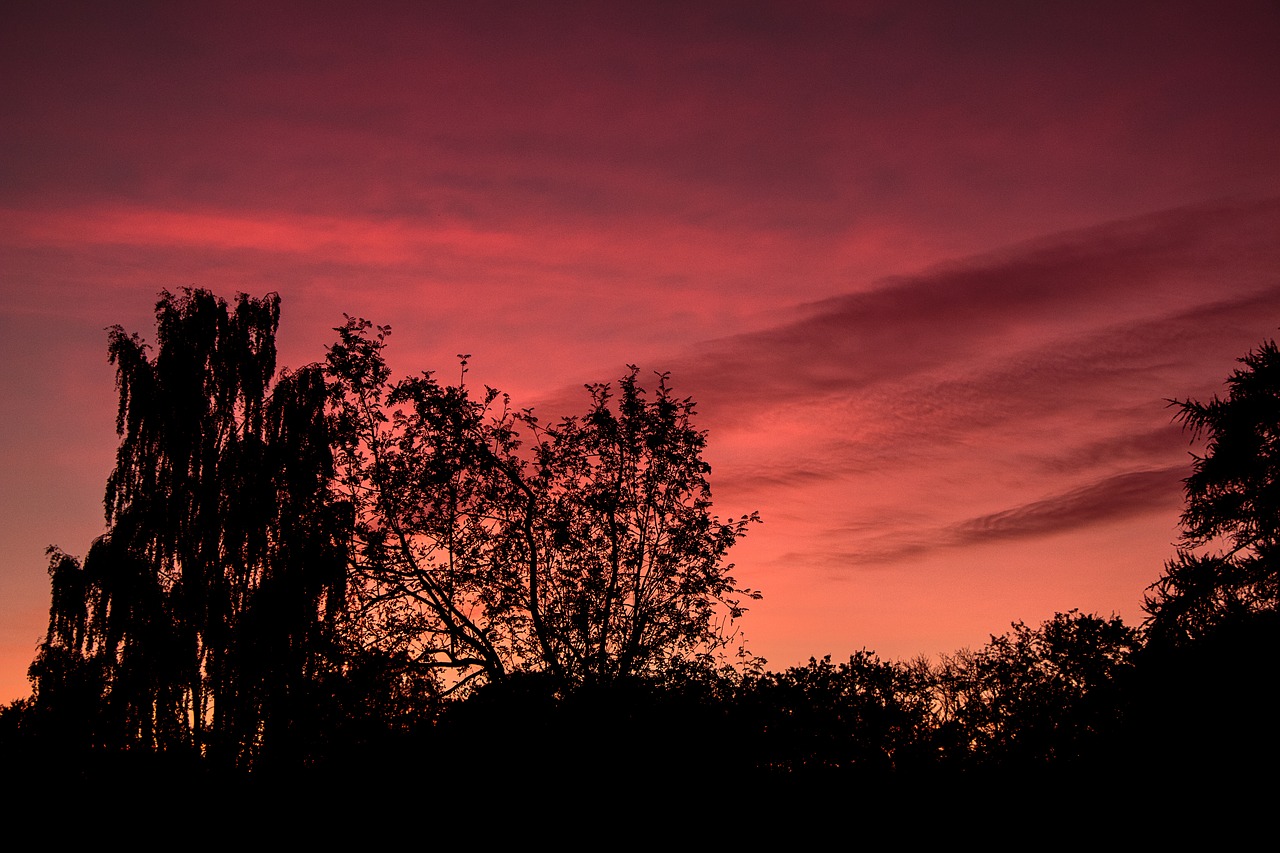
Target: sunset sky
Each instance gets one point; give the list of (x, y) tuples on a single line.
[(931, 270)]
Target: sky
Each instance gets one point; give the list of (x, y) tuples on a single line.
[(932, 271)]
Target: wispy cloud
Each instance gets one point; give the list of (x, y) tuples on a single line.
[(988, 382), (1111, 499), (1158, 275)]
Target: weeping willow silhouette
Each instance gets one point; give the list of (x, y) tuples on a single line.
[(205, 619)]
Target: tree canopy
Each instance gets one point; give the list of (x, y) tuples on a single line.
[(302, 563), (213, 598), (275, 538), (1228, 564), (491, 544)]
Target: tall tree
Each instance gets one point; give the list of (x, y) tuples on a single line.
[(590, 553), (1228, 564), (212, 600), (632, 562)]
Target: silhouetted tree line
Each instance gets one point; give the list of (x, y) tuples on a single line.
[(327, 570)]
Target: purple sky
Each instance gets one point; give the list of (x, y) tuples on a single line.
[(930, 269)]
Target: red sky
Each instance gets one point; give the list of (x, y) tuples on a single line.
[(931, 269)]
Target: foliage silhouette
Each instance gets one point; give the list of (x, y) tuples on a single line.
[(297, 565), (210, 609), (1233, 500), (333, 570), (1213, 617), (864, 717), (1034, 696), (590, 554)]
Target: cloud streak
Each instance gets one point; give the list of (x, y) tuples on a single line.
[(1105, 501), (1202, 265), (863, 425)]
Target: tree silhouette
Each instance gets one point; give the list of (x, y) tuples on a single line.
[(1233, 501), (1034, 694), (300, 563), (416, 462), (211, 604), (1213, 617), (590, 554), (860, 718), (632, 559)]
